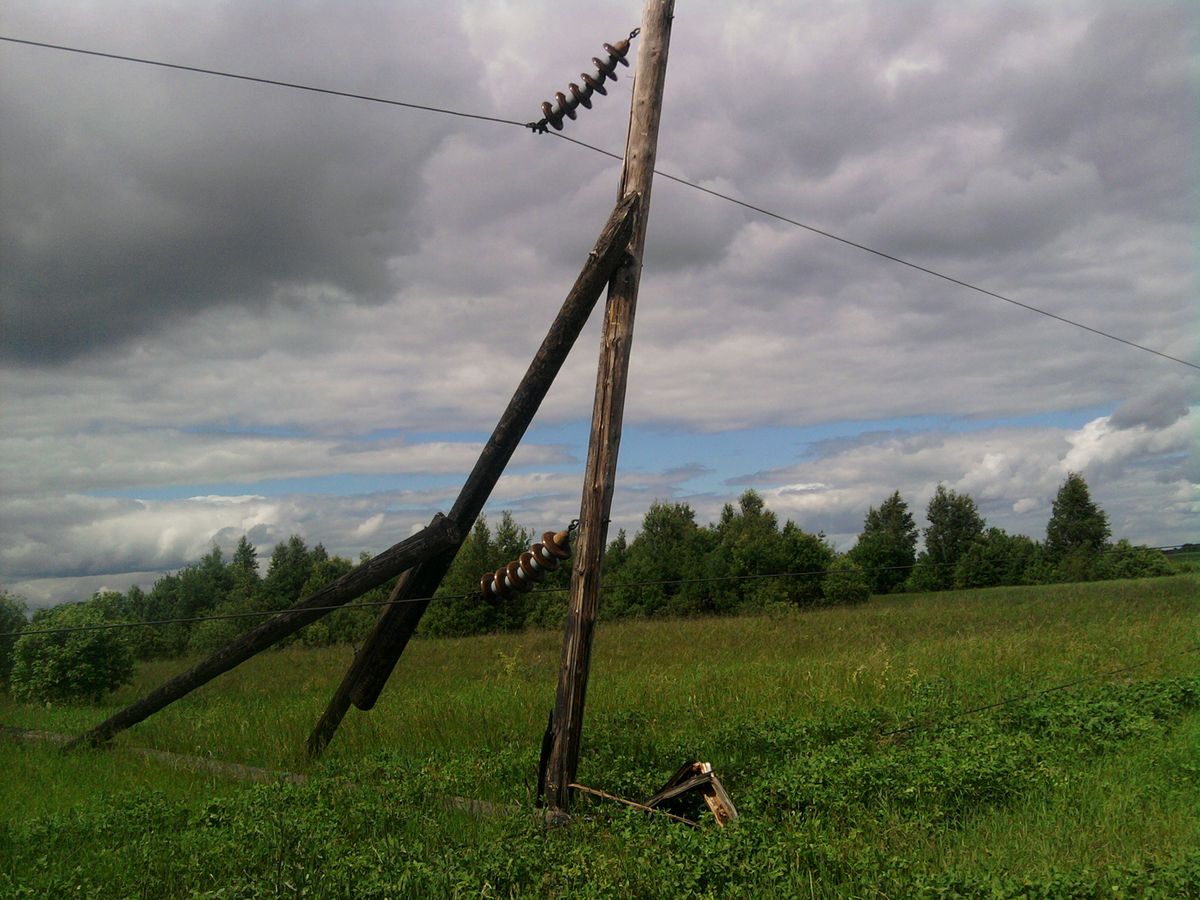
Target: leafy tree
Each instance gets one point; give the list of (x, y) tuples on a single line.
[(669, 549), (510, 541), (887, 546), (1124, 560), (747, 542), (340, 626), (846, 582), (12, 620), (616, 555), (291, 565), (808, 554), (458, 609), (1077, 525), (998, 558), (954, 525), (245, 560), (72, 665)]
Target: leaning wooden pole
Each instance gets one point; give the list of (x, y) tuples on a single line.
[(439, 535), (375, 660), (640, 150)]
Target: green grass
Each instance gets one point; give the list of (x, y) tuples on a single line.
[(1074, 789)]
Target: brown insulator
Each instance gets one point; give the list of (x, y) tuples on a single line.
[(618, 52), (553, 116), (520, 575), (516, 578), (565, 106), (528, 569), (593, 83), (582, 97), (605, 69), (554, 113), (543, 558), (558, 543), (485, 584), (500, 586)]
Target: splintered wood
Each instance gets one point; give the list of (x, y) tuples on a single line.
[(700, 777)]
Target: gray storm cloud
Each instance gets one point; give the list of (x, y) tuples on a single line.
[(205, 282)]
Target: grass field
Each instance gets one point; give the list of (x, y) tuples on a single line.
[(1091, 791)]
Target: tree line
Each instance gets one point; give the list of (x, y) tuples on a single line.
[(674, 566)]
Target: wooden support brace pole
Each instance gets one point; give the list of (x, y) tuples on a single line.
[(375, 660), (438, 536), (611, 379)]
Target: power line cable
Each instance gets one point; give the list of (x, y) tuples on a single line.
[(269, 81), (679, 180), (888, 256)]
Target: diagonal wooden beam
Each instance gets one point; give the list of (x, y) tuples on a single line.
[(375, 660)]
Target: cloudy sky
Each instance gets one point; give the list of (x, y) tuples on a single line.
[(228, 308)]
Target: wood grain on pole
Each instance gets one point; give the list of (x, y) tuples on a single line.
[(439, 535), (373, 664), (607, 414)]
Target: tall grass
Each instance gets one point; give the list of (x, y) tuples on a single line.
[(773, 701)]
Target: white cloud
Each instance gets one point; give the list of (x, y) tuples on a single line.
[(212, 286)]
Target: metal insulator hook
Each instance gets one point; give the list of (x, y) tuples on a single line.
[(564, 106), (520, 575)]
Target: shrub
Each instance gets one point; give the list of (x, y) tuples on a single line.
[(78, 665), (1124, 560), (846, 582), (12, 620)]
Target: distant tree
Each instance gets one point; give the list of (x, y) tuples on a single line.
[(509, 542), (1077, 525), (616, 554), (1124, 560), (245, 560), (291, 565), (747, 542), (76, 664), (12, 619), (998, 558), (810, 556), (887, 546), (954, 525), (460, 609), (339, 626), (657, 575), (846, 582)]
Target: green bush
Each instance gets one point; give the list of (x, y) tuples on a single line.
[(76, 665), (846, 582), (1124, 560), (12, 620)]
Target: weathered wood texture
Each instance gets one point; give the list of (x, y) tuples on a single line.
[(377, 657), (438, 536), (611, 379)]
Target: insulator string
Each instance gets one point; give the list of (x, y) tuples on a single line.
[(564, 105)]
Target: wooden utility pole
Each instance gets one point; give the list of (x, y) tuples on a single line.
[(375, 660), (641, 147)]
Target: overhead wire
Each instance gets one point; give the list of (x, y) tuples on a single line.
[(292, 85), (670, 177), (888, 256)]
